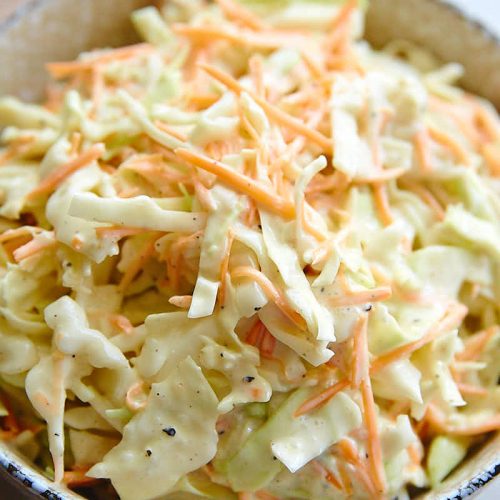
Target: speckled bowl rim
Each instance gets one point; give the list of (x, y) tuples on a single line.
[(34, 484)]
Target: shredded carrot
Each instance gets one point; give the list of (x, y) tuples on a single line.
[(64, 69), (244, 496), (488, 122), (313, 66), (58, 175), (204, 196), (264, 495), (121, 322), (437, 418), (321, 398), (268, 39), (364, 297), (381, 176), (309, 226), (16, 148), (202, 101), (236, 12), (271, 292), (474, 345), (343, 15), (10, 423), (374, 445), (414, 453), (471, 390), (77, 479), (274, 112), (456, 115), (491, 154), (421, 144), (76, 141), (360, 361), (77, 242), (256, 334), (118, 232), (142, 256), (327, 474), (181, 301), (240, 182), (32, 247), (382, 204), (453, 317), (267, 345), (225, 266), (133, 398), (448, 142), (350, 455), (427, 197), (171, 131), (11, 234)]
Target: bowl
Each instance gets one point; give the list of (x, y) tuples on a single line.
[(44, 30)]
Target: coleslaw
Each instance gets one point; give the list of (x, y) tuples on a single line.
[(250, 258)]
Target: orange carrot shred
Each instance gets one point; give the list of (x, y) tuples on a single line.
[(271, 292), (453, 317), (225, 266), (118, 232), (77, 479), (171, 131), (437, 418), (67, 68), (240, 182), (374, 445), (121, 322), (142, 256), (448, 142), (421, 143), (491, 155), (274, 112), (360, 362), (321, 398), (58, 175), (327, 474), (31, 248), (364, 297), (475, 344), (181, 301), (382, 204), (237, 12)]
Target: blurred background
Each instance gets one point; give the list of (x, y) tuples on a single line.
[(486, 11)]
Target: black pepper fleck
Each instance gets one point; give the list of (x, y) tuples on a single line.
[(248, 379), (368, 308), (221, 354), (149, 453), (221, 432), (257, 308), (169, 431), (274, 458), (322, 289)]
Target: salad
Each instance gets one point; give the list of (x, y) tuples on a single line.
[(250, 258)]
